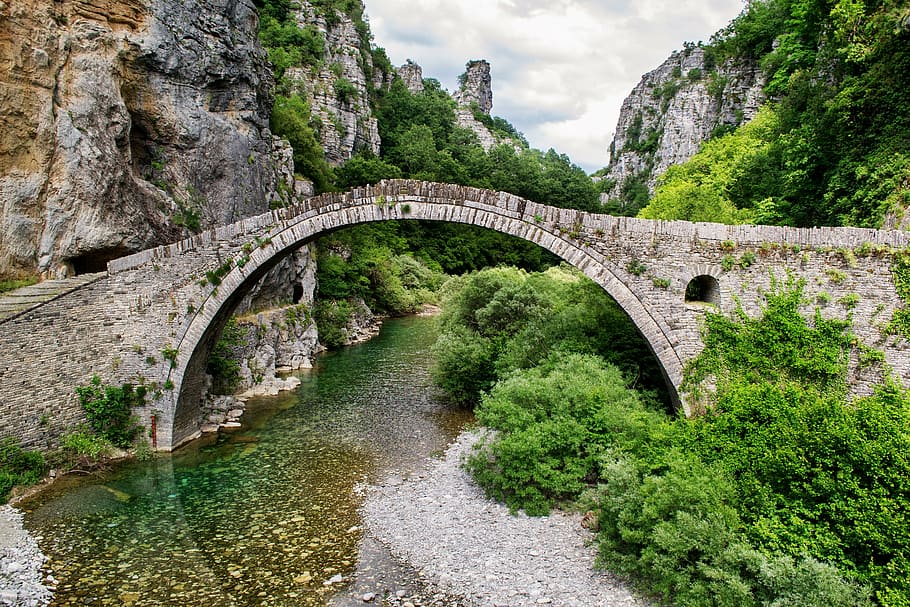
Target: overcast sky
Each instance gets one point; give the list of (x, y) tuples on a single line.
[(560, 68)]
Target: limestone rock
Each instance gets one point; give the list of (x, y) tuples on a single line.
[(412, 76), (476, 93), (476, 86), (124, 122), (674, 109), (339, 89)]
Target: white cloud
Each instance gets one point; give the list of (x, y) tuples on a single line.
[(560, 68)]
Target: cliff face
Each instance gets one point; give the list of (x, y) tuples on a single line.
[(339, 89), (673, 110), (125, 123)]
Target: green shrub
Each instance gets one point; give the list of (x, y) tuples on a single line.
[(291, 121), (553, 423), (10, 284), (332, 319), (223, 363), (18, 466), (83, 443), (345, 90), (109, 410)]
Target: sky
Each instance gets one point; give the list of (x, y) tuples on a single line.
[(560, 68)]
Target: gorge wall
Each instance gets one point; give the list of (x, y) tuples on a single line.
[(671, 111), (129, 123), (339, 87)]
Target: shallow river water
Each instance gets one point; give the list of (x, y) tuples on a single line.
[(264, 516)]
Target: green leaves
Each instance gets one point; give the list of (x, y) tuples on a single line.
[(291, 120), (109, 410)]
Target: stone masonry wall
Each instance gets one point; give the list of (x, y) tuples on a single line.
[(161, 301)]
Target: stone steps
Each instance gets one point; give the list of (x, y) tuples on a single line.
[(15, 302)]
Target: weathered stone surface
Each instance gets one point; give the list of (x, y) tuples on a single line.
[(680, 103), (477, 89), (118, 116), (118, 327), (412, 76), (476, 86), (348, 124)]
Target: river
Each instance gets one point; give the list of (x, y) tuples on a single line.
[(268, 515)]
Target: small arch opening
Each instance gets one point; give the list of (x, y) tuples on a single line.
[(298, 293), (703, 289)]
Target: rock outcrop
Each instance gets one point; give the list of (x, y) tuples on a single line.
[(127, 123), (476, 86), (673, 110), (412, 76), (474, 100), (339, 88)]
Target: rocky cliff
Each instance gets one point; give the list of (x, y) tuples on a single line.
[(672, 110), (340, 86), (127, 123)]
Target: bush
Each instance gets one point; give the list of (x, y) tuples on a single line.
[(109, 410), (291, 121), (18, 466), (83, 444), (672, 525), (222, 364), (332, 319), (516, 320), (553, 423)]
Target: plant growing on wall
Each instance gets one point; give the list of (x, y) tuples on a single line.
[(110, 410)]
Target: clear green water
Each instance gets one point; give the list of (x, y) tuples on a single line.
[(260, 517)]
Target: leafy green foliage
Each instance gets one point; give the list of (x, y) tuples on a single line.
[(502, 319), (420, 136), (10, 284), (364, 169), (781, 493), (84, 445), (370, 262), (290, 120), (332, 318), (287, 44), (345, 90), (712, 185), (554, 423), (673, 525), (110, 410), (222, 364), (814, 474), (18, 466), (779, 346), (497, 126)]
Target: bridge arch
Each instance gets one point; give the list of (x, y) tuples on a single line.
[(395, 200)]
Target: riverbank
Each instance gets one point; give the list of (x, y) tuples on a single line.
[(441, 523), (20, 563)]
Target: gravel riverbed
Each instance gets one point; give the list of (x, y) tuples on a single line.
[(440, 523), (20, 563)]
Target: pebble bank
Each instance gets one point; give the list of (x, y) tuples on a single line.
[(440, 523), (20, 563)]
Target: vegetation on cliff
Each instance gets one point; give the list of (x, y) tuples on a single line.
[(831, 147)]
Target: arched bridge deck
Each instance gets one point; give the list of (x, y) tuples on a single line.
[(154, 318)]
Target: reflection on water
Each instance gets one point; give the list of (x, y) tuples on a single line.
[(268, 516)]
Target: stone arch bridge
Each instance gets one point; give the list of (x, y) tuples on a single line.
[(154, 316)]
